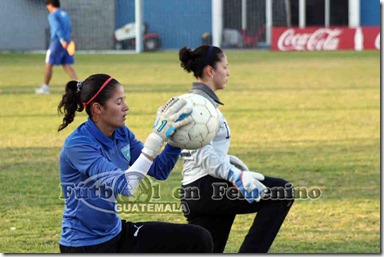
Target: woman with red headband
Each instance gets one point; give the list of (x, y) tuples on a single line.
[(102, 159)]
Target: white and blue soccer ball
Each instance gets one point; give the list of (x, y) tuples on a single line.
[(202, 130)]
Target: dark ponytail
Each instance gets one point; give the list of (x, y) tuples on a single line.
[(186, 58), (196, 60), (70, 103), (77, 94)]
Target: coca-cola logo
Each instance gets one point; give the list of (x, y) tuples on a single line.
[(377, 42), (321, 39)]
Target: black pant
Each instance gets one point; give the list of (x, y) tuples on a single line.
[(152, 237), (215, 211)]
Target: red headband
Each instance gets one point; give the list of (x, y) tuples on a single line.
[(85, 104)]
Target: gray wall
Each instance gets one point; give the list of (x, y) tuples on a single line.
[(24, 24), (93, 23)]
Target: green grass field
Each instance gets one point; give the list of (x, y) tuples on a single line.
[(311, 118)]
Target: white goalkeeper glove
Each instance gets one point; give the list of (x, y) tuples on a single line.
[(248, 183), (170, 117)]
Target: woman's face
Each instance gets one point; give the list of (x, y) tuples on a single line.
[(221, 74), (114, 111)]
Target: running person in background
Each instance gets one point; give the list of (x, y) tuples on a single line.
[(61, 30), (103, 155), (226, 187)]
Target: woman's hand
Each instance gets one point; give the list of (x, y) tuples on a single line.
[(170, 117)]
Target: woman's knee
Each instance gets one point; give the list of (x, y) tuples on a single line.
[(203, 239), (280, 189)]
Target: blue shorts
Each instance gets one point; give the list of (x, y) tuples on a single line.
[(57, 55)]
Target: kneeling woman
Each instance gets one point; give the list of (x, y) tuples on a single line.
[(103, 158), (226, 187)]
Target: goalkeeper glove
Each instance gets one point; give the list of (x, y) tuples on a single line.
[(169, 118), (248, 183)]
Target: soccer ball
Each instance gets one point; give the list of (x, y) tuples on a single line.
[(202, 130)]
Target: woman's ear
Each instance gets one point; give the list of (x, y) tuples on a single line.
[(209, 71), (96, 108)]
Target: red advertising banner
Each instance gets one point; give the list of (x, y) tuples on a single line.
[(371, 37), (315, 39)]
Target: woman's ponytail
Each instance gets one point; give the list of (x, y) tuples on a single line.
[(70, 103)]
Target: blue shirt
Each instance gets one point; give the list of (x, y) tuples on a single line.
[(60, 26), (92, 168)]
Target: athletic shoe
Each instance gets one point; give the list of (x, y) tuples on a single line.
[(43, 90)]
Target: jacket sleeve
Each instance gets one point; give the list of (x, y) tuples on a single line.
[(162, 165), (164, 162), (88, 160), (56, 27), (214, 163)]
